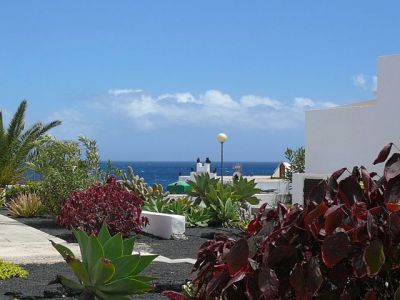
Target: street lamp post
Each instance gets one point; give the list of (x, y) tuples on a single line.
[(222, 137)]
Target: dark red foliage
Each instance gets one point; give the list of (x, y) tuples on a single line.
[(109, 203), (345, 244), (383, 155)]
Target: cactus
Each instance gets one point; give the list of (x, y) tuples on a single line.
[(136, 184), (108, 269)]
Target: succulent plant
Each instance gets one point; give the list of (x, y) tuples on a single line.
[(198, 216), (136, 184), (108, 270)]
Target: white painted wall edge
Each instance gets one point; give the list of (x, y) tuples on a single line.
[(298, 185)]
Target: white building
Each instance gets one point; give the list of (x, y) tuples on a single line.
[(351, 135)]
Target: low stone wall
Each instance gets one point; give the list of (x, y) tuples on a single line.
[(164, 225)]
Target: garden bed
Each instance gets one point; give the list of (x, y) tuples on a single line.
[(170, 276), (35, 286)]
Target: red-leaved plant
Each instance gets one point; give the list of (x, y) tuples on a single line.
[(110, 203), (345, 244)]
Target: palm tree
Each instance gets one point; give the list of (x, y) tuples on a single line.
[(16, 144)]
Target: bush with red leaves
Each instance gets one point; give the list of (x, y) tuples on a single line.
[(345, 244), (109, 203)]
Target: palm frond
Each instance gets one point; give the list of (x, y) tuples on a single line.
[(16, 145), (17, 123)]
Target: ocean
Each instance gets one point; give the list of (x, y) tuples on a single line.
[(166, 172)]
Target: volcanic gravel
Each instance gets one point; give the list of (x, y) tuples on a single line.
[(169, 276), (36, 285)]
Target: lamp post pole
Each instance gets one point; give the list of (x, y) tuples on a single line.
[(222, 164), (222, 137)]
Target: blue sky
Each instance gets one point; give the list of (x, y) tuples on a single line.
[(157, 80)]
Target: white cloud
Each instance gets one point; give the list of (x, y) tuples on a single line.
[(367, 83), (215, 98), (210, 108), (179, 97), (359, 80), (119, 92), (253, 101)]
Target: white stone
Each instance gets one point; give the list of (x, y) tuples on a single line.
[(164, 225)]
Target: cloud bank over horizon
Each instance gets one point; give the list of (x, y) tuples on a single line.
[(212, 107), (132, 123)]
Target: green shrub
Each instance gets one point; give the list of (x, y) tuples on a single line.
[(26, 206), (9, 270), (63, 169), (296, 158), (108, 270)]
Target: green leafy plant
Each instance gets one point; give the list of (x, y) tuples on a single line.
[(156, 204), (201, 186), (16, 144), (296, 158), (9, 270), (179, 206), (224, 205), (63, 169), (245, 190), (198, 217), (108, 270), (26, 206)]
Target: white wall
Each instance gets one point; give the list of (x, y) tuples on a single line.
[(354, 134)]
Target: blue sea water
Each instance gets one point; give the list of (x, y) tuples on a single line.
[(166, 172)]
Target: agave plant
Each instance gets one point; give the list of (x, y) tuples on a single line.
[(224, 205), (198, 217), (246, 189), (156, 204), (108, 270), (201, 186), (16, 144)]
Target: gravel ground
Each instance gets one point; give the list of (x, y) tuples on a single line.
[(35, 286), (169, 276), (169, 248)]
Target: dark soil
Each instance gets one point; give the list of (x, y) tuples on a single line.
[(184, 248), (169, 276), (36, 285)]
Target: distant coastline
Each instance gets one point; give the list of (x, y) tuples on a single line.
[(166, 172)]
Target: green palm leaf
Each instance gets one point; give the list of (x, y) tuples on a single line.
[(17, 144)]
